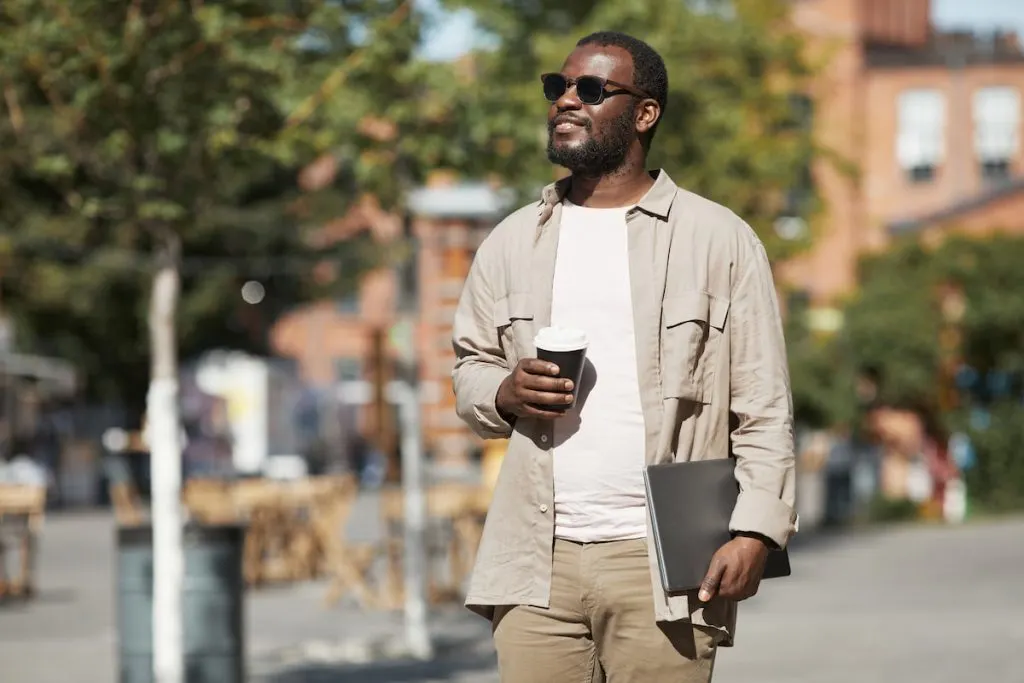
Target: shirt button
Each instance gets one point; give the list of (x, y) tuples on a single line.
[(543, 508), (544, 438)]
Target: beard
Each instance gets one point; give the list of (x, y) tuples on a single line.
[(595, 157)]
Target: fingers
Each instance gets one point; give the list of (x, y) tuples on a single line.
[(543, 382), (548, 384), (544, 398), (536, 390), (732, 586), (712, 580), (538, 386), (535, 366)]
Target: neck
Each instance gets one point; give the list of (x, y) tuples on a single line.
[(623, 187)]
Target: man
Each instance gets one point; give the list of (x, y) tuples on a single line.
[(676, 297)]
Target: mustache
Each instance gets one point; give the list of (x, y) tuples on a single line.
[(569, 118)]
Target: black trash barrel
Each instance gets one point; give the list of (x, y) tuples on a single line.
[(214, 643)]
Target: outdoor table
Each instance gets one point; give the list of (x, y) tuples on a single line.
[(295, 529), (463, 505), (22, 509)]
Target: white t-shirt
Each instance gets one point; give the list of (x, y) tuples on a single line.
[(599, 445)]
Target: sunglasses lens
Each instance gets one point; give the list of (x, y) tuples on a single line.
[(554, 86), (589, 89)]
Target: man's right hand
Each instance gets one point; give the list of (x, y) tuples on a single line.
[(533, 385)]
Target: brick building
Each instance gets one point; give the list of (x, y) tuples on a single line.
[(931, 123), (335, 341)]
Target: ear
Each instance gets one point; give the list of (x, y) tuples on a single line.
[(647, 114)]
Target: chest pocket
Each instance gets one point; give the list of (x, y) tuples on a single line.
[(513, 319), (693, 332)]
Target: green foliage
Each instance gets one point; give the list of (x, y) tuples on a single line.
[(893, 326), (997, 480), (990, 273), (820, 375), (127, 126), (730, 130), (887, 511)]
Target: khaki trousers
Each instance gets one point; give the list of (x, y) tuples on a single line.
[(600, 625)]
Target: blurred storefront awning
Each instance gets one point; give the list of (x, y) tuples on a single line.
[(462, 200), (58, 375)]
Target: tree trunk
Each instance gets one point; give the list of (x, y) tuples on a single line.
[(165, 457)]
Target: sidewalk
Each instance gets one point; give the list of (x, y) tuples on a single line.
[(882, 605), (70, 626), (370, 649)]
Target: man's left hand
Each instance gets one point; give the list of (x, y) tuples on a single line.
[(735, 570)]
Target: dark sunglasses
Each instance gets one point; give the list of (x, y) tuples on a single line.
[(590, 89)]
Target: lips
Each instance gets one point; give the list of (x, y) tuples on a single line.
[(567, 124)]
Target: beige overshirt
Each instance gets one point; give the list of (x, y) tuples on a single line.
[(709, 344)]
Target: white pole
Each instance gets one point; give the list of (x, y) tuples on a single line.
[(165, 458), (417, 634)]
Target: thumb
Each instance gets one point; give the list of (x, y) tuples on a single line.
[(709, 586)]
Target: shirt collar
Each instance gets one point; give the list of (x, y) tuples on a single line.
[(657, 201)]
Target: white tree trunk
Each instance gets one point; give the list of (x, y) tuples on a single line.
[(165, 457), (417, 632)]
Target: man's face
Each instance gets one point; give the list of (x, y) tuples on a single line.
[(593, 140)]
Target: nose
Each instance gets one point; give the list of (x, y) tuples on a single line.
[(569, 100)]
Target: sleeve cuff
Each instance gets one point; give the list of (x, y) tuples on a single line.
[(490, 423), (760, 512)]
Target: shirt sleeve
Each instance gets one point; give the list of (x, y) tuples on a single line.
[(480, 365), (761, 399)]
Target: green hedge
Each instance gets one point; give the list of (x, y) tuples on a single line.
[(892, 328)]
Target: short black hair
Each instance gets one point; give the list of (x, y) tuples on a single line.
[(649, 73)]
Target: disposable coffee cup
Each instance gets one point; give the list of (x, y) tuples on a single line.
[(566, 348)]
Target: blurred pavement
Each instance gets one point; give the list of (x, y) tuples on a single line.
[(908, 604)]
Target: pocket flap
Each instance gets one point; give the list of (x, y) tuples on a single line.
[(685, 307), (515, 306), (501, 312), (719, 311), (695, 305)]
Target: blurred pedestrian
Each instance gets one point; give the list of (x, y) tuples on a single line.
[(21, 469), (675, 296)]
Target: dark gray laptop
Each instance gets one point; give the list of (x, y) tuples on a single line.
[(691, 503)]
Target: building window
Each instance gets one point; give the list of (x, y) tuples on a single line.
[(996, 171), (996, 131), (921, 133), (922, 173)]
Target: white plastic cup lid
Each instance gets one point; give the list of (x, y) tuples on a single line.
[(560, 339)]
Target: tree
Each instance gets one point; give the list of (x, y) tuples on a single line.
[(132, 128), (898, 327), (892, 325), (821, 373), (732, 130), (147, 136)]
